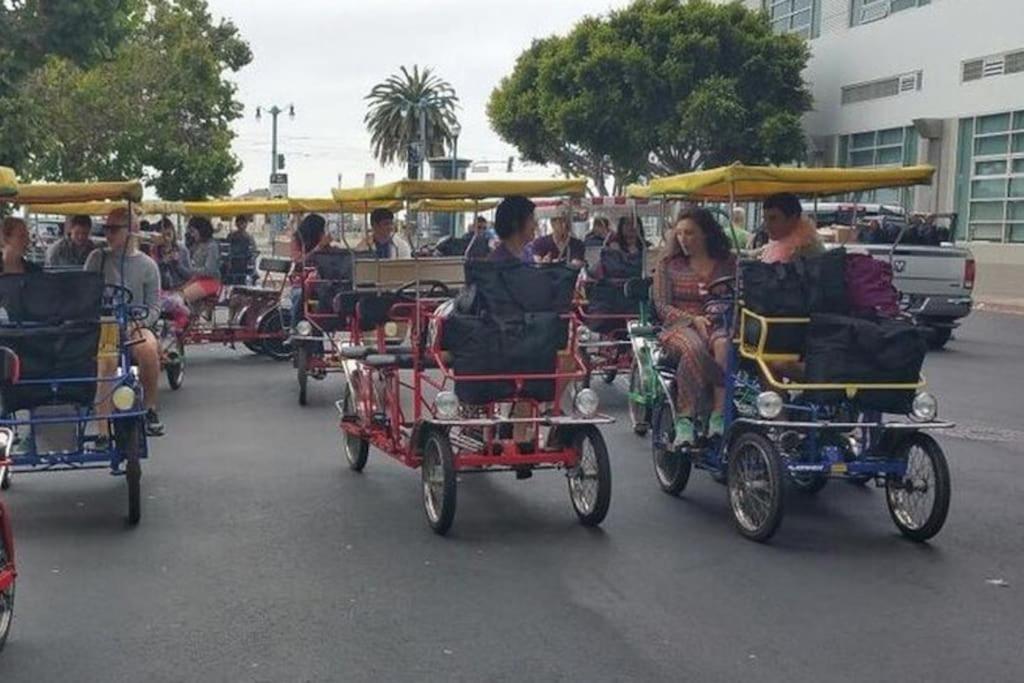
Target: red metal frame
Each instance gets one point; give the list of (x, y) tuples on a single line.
[(396, 439), (329, 361), (613, 350), (201, 332)]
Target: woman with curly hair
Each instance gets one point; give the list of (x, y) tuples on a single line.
[(697, 253)]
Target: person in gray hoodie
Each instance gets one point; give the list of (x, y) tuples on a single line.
[(123, 265)]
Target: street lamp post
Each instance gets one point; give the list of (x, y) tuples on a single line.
[(274, 112), (456, 130)]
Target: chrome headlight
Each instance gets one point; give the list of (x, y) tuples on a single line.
[(447, 405), (5, 439), (924, 408), (769, 405), (586, 402), (123, 398), (304, 328), (584, 335)]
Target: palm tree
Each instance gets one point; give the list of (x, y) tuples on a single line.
[(404, 108)]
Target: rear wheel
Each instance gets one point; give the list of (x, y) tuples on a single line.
[(919, 501), (439, 482), (639, 411), (590, 481), (755, 484), (128, 436), (275, 323), (671, 466), (357, 449), (302, 371)]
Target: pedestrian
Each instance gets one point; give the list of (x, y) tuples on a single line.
[(559, 246), (15, 244), (71, 250)]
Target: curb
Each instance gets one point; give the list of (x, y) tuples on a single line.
[(1000, 307)]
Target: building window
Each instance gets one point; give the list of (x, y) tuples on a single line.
[(888, 147), (867, 11), (794, 16), (992, 152), (993, 65), (886, 87)]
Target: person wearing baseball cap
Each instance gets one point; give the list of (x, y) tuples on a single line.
[(124, 265)]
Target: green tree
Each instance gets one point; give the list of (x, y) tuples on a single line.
[(395, 110), (662, 86), (157, 106)]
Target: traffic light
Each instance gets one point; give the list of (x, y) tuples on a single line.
[(280, 162), (510, 162)]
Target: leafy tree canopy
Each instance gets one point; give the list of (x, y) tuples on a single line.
[(663, 86), (149, 100)]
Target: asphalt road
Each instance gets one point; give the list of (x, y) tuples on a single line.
[(261, 557)]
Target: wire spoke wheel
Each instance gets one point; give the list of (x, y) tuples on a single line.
[(302, 371), (590, 481), (6, 608), (919, 501), (128, 437), (275, 323), (639, 412), (755, 485), (357, 449), (439, 482), (671, 466)]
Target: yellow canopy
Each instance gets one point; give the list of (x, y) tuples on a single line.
[(321, 205), (144, 208), (452, 205), (240, 207), (63, 193), (8, 182), (757, 182), (463, 189)]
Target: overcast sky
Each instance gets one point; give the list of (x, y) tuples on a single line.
[(325, 55)]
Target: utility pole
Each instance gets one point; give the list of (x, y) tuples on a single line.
[(278, 185), (274, 112)]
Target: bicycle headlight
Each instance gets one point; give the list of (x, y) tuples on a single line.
[(123, 398), (304, 328), (586, 402), (447, 405), (769, 405), (584, 335), (924, 408), (5, 438)]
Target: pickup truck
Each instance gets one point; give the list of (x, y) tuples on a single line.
[(935, 282)]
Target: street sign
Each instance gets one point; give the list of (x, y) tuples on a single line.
[(278, 185), (369, 179)]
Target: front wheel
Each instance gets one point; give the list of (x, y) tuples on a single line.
[(639, 410), (439, 482), (5, 477), (671, 466), (6, 606), (302, 371), (175, 368), (128, 436), (357, 449), (755, 485), (939, 337), (590, 481), (919, 501)]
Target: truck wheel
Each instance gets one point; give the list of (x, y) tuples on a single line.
[(939, 337)]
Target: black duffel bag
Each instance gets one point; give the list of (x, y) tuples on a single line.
[(506, 288), (813, 284), (52, 297), (527, 344), (52, 352), (842, 349), (605, 298)]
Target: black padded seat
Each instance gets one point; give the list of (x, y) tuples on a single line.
[(355, 352), (381, 360)]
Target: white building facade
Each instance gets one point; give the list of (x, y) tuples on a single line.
[(921, 81)]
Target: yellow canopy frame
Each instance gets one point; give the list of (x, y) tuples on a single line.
[(747, 183), (413, 190), (8, 182)]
